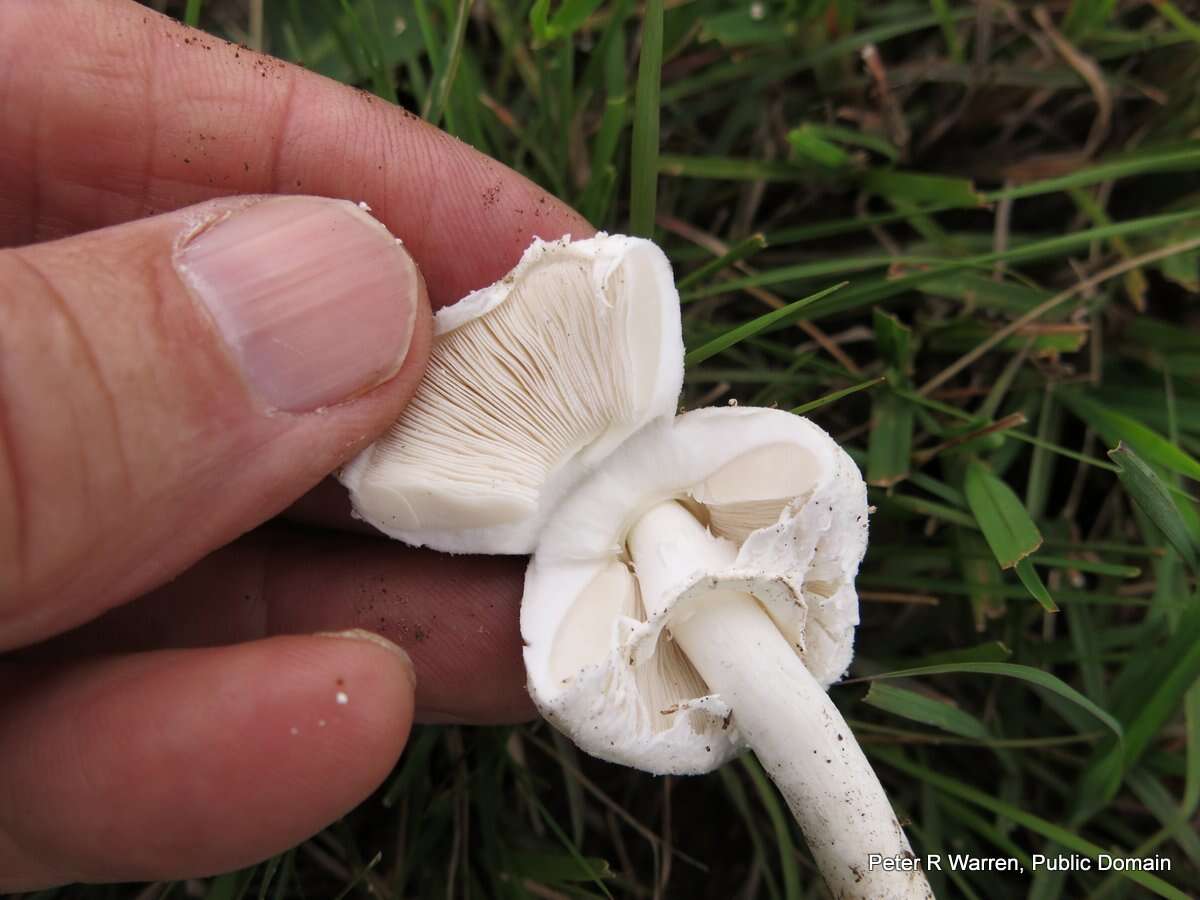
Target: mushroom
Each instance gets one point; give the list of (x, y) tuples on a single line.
[(695, 595), (531, 382), (692, 589)]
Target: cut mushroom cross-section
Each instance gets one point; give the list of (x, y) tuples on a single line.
[(695, 596), (531, 382)]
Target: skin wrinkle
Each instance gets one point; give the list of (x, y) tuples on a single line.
[(99, 380), (10, 453), (283, 126)]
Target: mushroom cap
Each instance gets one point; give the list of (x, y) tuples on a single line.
[(531, 383), (794, 506)]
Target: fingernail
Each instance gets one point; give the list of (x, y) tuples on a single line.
[(315, 299), (370, 637)]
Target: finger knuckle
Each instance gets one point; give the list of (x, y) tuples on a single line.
[(55, 412)]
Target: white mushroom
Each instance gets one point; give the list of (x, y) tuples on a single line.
[(692, 590), (696, 595), (530, 384)]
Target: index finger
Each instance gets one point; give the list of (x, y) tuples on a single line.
[(111, 112)]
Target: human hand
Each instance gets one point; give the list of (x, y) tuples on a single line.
[(175, 369)]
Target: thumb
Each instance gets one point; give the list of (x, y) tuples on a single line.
[(167, 384)]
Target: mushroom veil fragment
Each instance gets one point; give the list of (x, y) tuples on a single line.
[(531, 382), (695, 596)]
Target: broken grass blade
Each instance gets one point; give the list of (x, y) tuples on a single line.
[(1151, 494), (1002, 518), (926, 710), (754, 326), (1034, 584), (805, 408)]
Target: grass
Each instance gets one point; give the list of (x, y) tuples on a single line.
[(1011, 198)]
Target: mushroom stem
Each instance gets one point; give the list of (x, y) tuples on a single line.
[(781, 711)]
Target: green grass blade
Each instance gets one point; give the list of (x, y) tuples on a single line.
[(1034, 584), (832, 397), (1149, 492), (1167, 678), (1116, 427), (1028, 674), (780, 822), (754, 326), (452, 57), (919, 708), (743, 249), (918, 187), (1006, 525), (889, 448), (643, 180)]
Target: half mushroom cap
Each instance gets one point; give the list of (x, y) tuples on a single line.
[(786, 514), (531, 383)]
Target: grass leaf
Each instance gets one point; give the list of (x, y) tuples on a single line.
[(644, 163), (889, 449), (917, 187), (754, 326), (1028, 674), (1033, 583), (1116, 427), (805, 408), (1149, 492), (919, 708), (1001, 515)]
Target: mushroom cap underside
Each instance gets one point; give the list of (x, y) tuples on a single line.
[(789, 507), (531, 382)]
